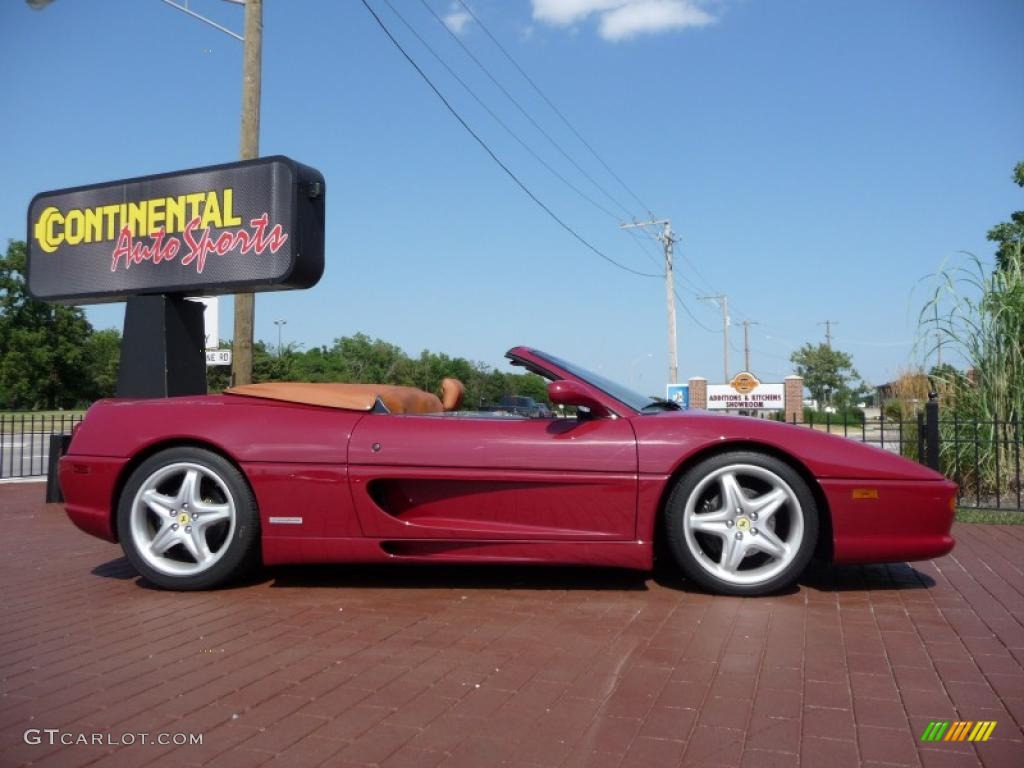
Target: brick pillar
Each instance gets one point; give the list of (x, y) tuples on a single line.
[(698, 392), (794, 398)]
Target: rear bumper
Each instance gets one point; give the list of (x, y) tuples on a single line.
[(89, 484), (880, 521)]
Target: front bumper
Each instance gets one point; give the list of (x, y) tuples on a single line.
[(880, 521)]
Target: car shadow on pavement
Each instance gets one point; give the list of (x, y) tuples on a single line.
[(827, 577), (456, 576), (116, 569), (408, 576), (821, 577)]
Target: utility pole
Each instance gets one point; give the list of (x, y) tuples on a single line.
[(828, 331), (723, 302), (667, 239), (245, 303), (746, 343)]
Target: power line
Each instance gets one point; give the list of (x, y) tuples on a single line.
[(555, 109), (693, 268), (497, 119), (491, 153), (520, 107), (637, 239)]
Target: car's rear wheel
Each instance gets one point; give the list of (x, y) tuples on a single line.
[(188, 520), (742, 523)]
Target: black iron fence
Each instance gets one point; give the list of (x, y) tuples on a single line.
[(982, 456), (25, 441)]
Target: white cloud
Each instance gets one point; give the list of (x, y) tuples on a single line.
[(565, 12), (457, 20), (651, 16), (623, 19)]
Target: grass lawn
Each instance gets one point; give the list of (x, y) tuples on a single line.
[(990, 516)]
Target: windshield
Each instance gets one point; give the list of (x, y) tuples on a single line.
[(634, 400)]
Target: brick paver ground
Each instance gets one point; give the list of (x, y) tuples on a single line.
[(358, 666)]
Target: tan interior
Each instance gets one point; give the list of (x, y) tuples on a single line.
[(358, 397), (451, 394)]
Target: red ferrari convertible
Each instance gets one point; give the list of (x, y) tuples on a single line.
[(200, 489)]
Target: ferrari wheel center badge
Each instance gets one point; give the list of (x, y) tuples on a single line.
[(742, 524), (183, 518)]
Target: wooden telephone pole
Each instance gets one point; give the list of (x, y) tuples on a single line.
[(723, 302), (746, 343), (245, 303), (668, 239)]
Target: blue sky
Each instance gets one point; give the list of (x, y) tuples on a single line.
[(817, 160)]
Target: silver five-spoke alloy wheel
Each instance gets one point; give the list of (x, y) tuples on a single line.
[(745, 519), (742, 523), (182, 519)]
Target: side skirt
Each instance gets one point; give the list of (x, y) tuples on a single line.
[(619, 554)]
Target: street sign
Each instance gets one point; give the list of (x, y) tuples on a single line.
[(218, 357)]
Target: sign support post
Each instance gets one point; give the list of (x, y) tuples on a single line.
[(162, 348)]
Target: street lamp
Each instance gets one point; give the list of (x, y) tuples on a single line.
[(279, 323)]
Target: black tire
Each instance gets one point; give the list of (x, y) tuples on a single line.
[(708, 538), (202, 551)]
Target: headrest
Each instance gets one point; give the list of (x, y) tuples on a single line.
[(451, 394)]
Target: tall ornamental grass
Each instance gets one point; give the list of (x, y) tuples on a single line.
[(978, 316)]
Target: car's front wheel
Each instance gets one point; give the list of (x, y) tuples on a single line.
[(742, 523), (188, 520)]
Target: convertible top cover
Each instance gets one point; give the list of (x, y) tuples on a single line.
[(354, 397)]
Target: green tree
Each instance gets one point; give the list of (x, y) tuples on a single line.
[(103, 355), (44, 358), (827, 373), (1010, 234)]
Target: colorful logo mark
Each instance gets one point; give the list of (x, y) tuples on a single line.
[(960, 730)]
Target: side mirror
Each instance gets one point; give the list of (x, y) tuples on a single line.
[(565, 392)]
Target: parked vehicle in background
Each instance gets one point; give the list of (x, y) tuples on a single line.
[(524, 406)]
